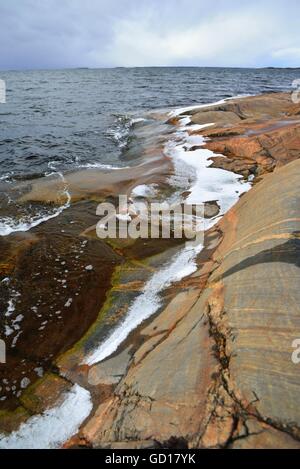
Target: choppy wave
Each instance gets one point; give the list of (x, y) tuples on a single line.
[(7, 177), (103, 166), (120, 131), (9, 225)]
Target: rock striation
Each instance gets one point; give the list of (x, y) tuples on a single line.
[(214, 368)]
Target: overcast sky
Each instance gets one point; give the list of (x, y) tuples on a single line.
[(105, 33)]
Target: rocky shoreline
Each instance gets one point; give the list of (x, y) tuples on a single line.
[(212, 367)]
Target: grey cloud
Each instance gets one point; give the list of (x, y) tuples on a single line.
[(95, 33)]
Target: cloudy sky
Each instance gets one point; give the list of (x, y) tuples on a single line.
[(105, 33)]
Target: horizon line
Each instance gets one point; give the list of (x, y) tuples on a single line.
[(270, 67)]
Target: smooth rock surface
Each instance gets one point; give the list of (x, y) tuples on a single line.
[(225, 359)]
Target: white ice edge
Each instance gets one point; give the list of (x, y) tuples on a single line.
[(52, 428), (178, 112), (148, 302), (211, 184), (144, 190)]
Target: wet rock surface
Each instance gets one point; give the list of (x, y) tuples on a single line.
[(212, 368), (49, 298), (55, 278), (215, 365), (266, 136)]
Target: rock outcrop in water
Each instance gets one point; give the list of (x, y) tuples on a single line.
[(214, 368)]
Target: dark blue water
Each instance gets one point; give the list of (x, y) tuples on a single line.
[(71, 118)]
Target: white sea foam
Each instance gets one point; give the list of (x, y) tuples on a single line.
[(6, 177), (121, 129), (10, 225), (100, 166), (52, 428)]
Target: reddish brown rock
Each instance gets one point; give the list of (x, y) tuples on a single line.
[(264, 134), (222, 375), (213, 368)]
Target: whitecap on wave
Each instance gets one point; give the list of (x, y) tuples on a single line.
[(30, 219)]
